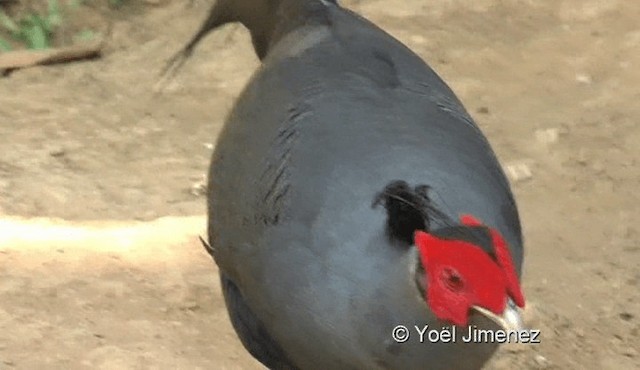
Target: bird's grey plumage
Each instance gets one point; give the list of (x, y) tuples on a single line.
[(337, 110)]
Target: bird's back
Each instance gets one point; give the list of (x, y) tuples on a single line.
[(337, 112)]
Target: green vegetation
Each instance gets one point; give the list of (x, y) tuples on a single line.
[(4, 45), (84, 35), (34, 30), (117, 3)]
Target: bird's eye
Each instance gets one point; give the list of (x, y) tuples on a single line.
[(452, 279)]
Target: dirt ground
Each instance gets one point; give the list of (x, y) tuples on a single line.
[(101, 177)]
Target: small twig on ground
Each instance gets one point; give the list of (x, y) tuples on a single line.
[(28, 58)]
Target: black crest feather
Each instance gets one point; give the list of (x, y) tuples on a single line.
[(408, 209)]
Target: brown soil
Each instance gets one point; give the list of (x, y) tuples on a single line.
[(98, 154)]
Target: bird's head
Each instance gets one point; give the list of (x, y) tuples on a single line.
[(462, 267), (459, 276)]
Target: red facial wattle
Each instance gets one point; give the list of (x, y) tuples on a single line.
[(460, 275), (503, 256)]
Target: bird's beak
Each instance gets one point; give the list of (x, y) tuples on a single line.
[(510, 318)]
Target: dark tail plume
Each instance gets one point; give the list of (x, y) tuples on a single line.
[(219, 15)]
